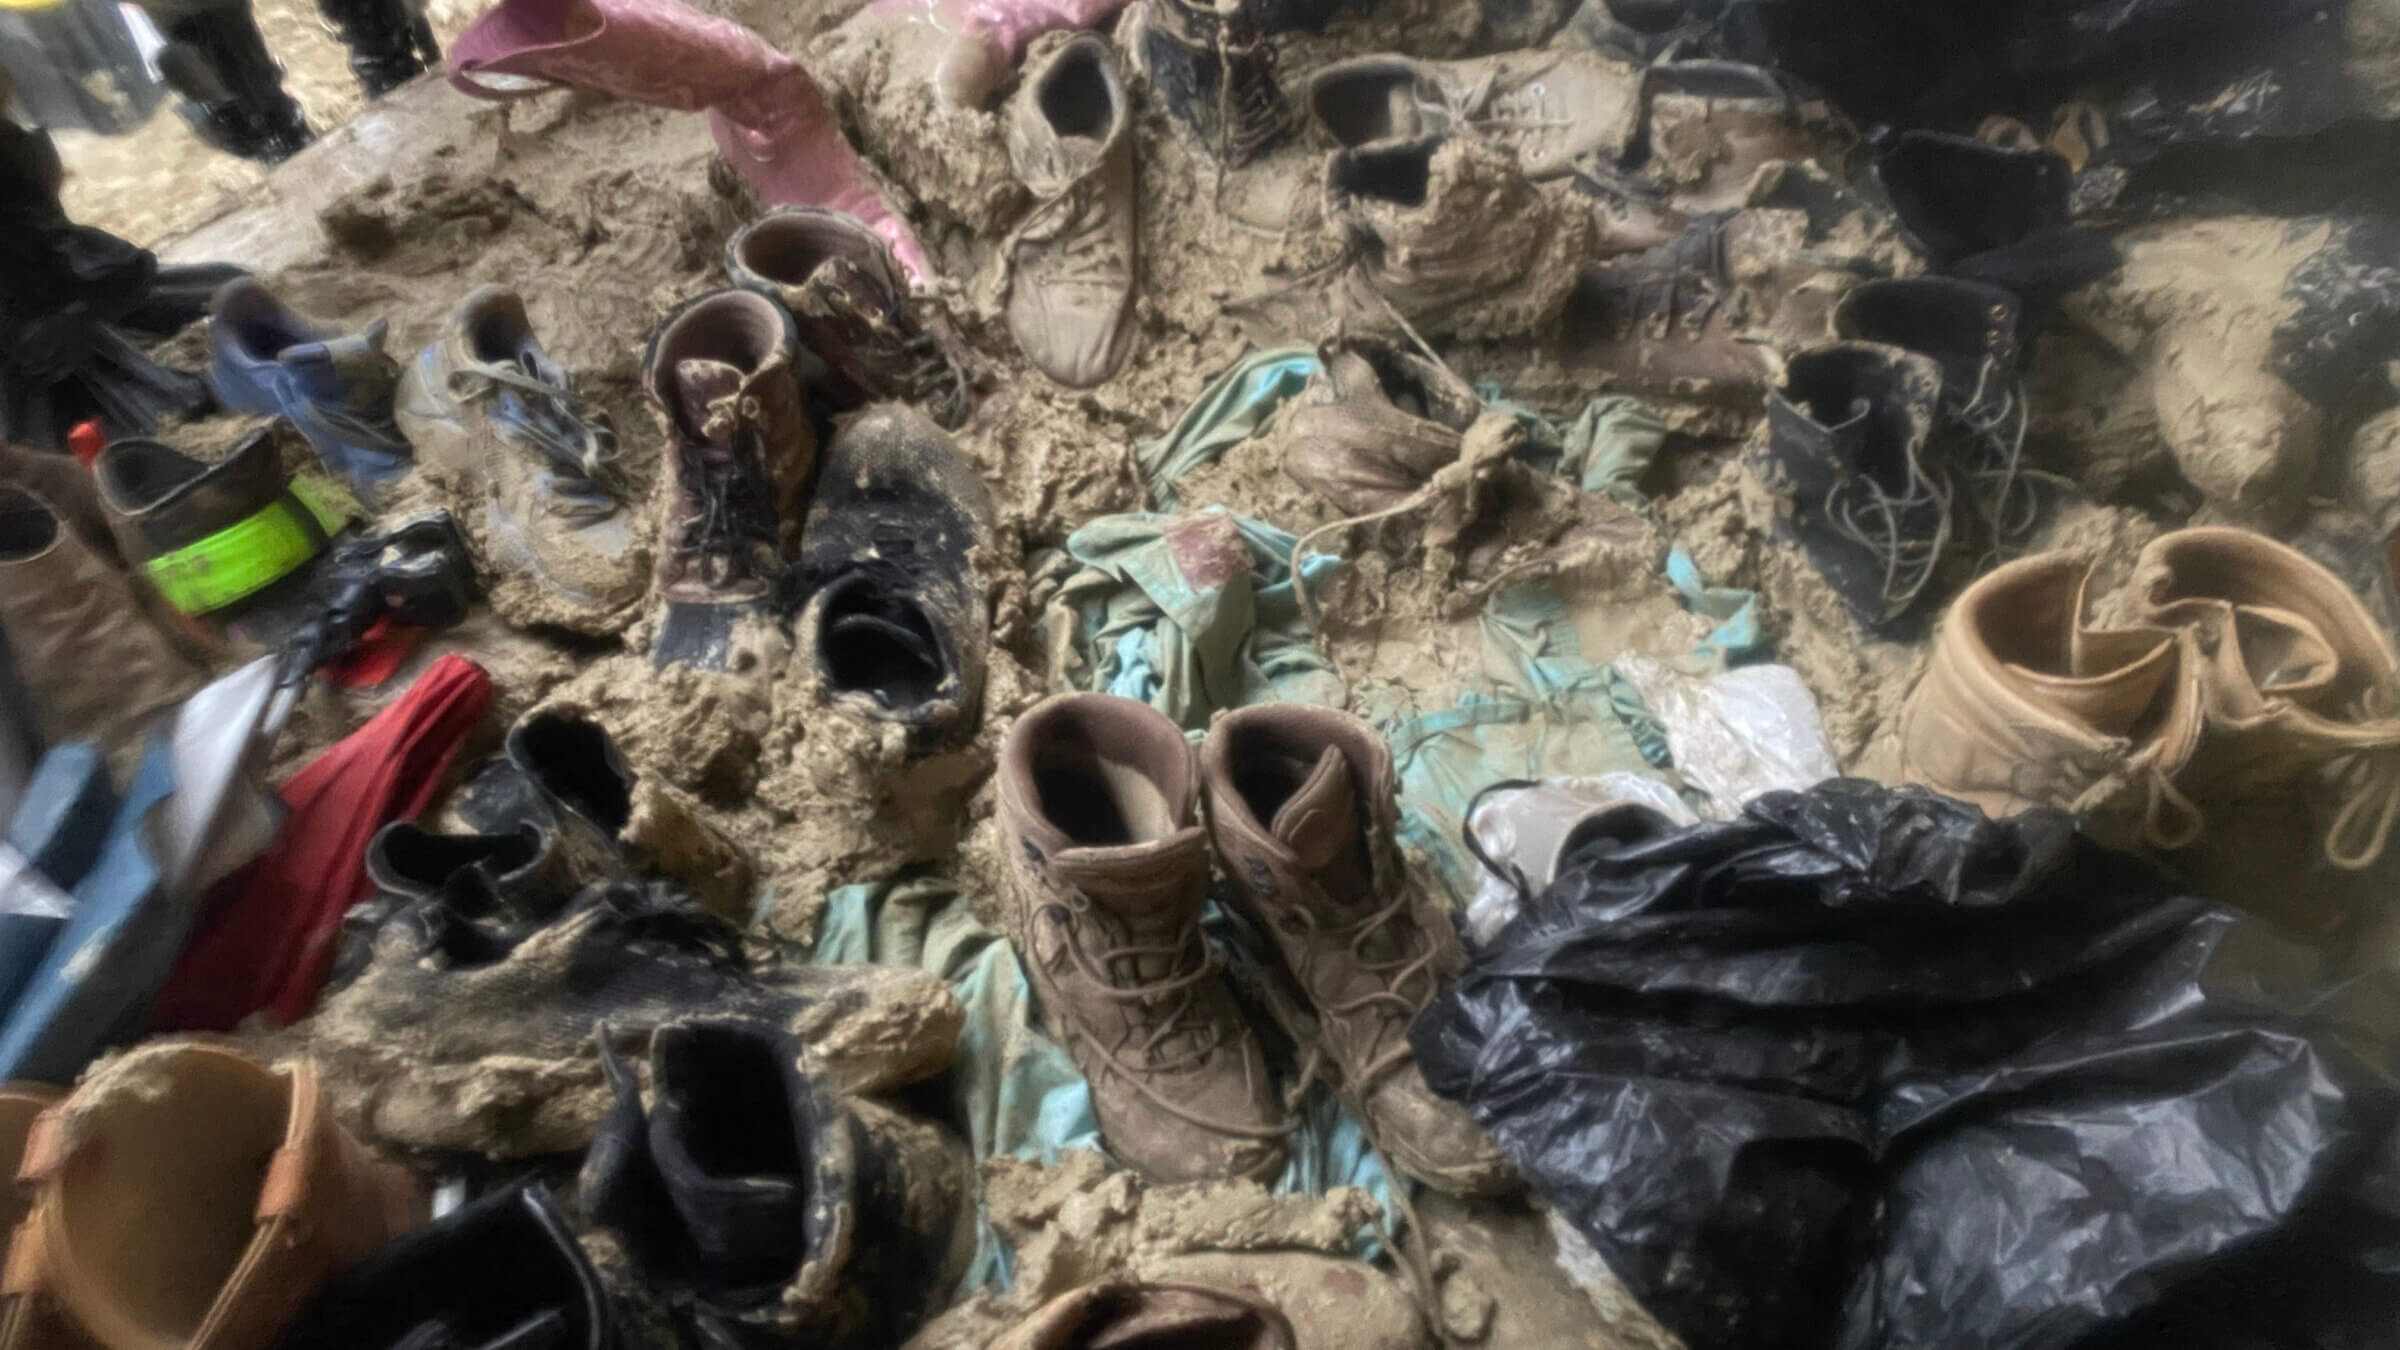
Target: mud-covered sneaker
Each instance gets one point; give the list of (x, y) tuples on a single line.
[(1373, 424), (1108, 873), (852, 309), (895, 624), (1303, 809), (1214, 69), (1710, 126), (493, 416), (739, 456), (336, 388), (1850, 442), (778, 1207), (1072, 260), (1548, 108)]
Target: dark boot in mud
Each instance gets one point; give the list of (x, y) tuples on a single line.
[(739, 457), (501, 1272), (389, 45), (1304, 812), (234, 100), (1850, 442), (1669, 320), (1993, 214), (895, 625), (1108, 873), (1373, 424), (563, 781), (770, 1208), (1214, 69), (853, 311)]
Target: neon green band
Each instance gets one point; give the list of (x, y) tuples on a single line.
[(249, 555)]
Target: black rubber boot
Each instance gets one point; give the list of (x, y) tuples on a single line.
[(218, 60), (389, 46)]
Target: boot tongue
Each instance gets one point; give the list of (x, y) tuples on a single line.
[(1320, 824), (707, 392)]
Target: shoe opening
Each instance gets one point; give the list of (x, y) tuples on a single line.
[(1364, 106), (734, 1097), (575, 760), (1716, 80), (1400, 175), (427, 859), (1647, 16), (27, 528), (138, 473), (875, 641), (1076, 96), (784, 249), (499, 333), (1102, 773)]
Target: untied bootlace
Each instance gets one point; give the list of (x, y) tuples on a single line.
[(583, 452), (1393, 973)]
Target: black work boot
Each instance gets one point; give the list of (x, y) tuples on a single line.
[(1214, 69), (502, 1272), (1993, 214), (389, 46), (217, 59), (895, 623), (767, 1207), (1850, 439)]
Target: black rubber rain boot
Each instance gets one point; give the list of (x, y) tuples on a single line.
[(218, 60), (389, 45)]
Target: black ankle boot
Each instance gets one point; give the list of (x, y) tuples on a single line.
[(388, 45), (218, 60), (1850, 439), (1215, 72)]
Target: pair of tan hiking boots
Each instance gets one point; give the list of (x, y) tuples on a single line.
[(1109, 868), (185, 1197), (2247, 681)]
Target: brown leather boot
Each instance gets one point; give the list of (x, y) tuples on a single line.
[(1131, 1312), (853, 309), (68, 614), (188, 1197), (1109, 871), (1303, 806), (24, 1323), (1374, 424), (2298, 687), (1257, 1300), (2023, 705)]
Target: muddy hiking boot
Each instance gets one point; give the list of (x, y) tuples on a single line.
[(389, 45), (1071, 261), (337, 388), (504, 884), (895, 625), (1150, 1313), (740, 454), (1972, 332), (490, 413), (1669, 320), (853, 311), (770, 1207), (1303, 809), (562, 780), (501, 1272), (1992, 214), (1547, 108), (186, 1195), (233, 93), (69, 613), (1850, 441), (1108, 871), (1374, 423), (1213, 67)]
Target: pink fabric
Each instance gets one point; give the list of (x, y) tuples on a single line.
[(1010, 24), (268, 941)]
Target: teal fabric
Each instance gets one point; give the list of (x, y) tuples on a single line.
[(1234, 407), (1194, 614), (1012, 1088), (1737, 637), (1607, 447)]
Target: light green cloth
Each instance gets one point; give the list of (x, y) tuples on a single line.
[(1193, 614), (1234, 407)]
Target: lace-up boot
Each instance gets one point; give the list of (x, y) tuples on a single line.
[(1072, 260), (1302, 806), (1214, 69), (1548, 108), (739, 455), (1109, 872), (1376, 421)]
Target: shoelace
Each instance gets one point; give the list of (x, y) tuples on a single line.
[(1177, 994), (1085, 255), (930, 367), (1393, 973), (726, 490), (1250, 110), (575, 442)]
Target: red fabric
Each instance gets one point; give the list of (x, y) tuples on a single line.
[(85, 440), (380, 652), (270, 936)]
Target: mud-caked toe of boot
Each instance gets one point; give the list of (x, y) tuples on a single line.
[(1075, 332), (1434, 1139), (1167, 1147)]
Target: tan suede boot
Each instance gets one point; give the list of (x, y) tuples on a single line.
[(2023, 705), (188, 1198), (1302, 807), (24, 1323), (1109, 872), (1072, 260), (68, 615), (1374, 424), (2298, 685)]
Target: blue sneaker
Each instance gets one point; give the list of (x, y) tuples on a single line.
[(264, 358)]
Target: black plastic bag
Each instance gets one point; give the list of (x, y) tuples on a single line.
[(1864, 1068)]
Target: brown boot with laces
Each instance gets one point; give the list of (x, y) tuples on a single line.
[(1302, 807), (1070, 141), (1108, 872)]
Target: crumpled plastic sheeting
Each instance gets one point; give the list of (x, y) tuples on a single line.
[(1193, 614), (1235, 406), (1865, 1069), (1012, 1089), (1736, 734), (1522, 828)]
